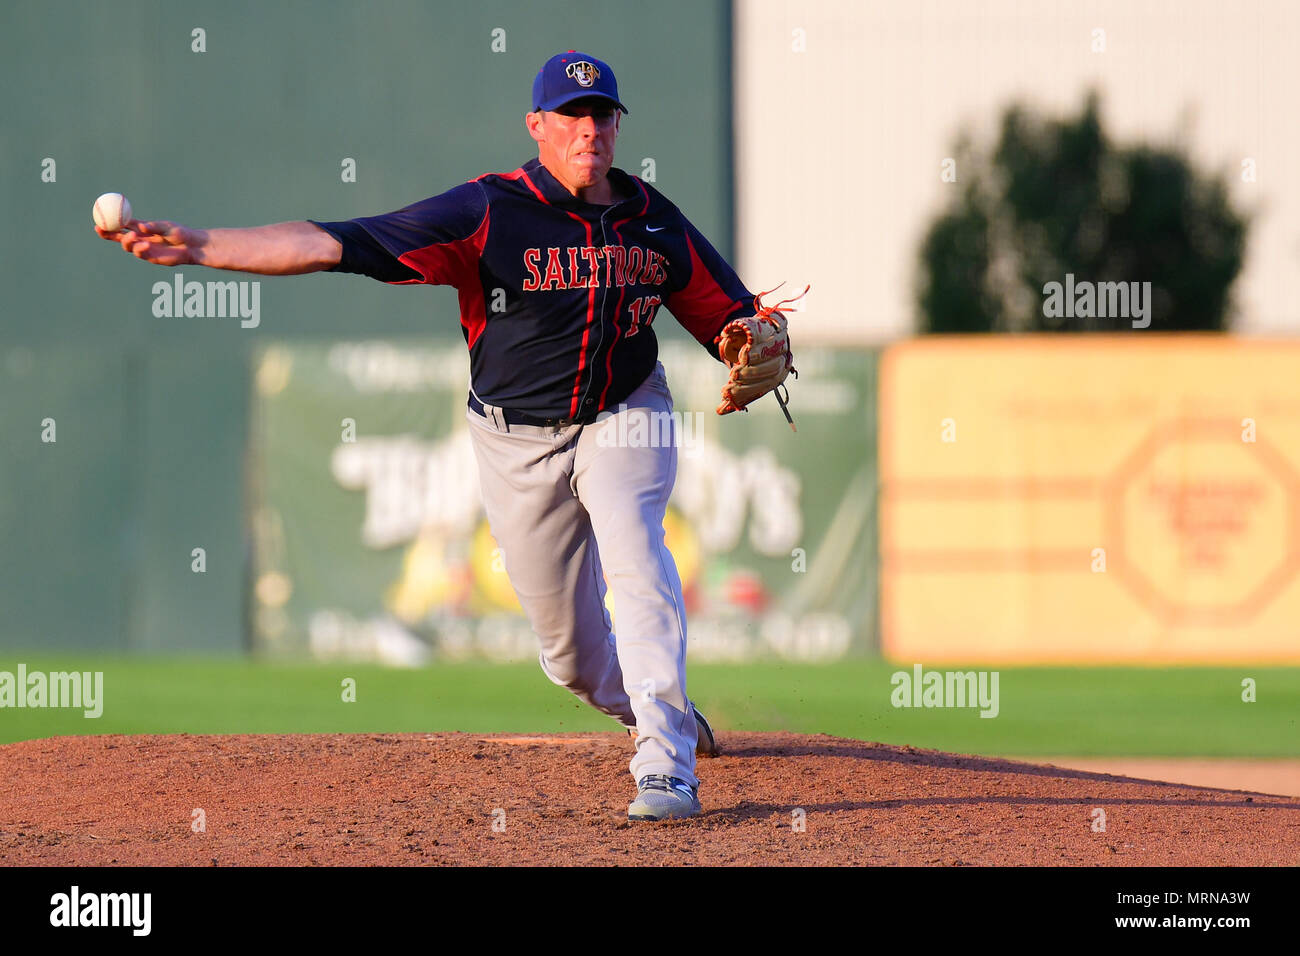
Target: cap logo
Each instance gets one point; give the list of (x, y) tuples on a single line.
[(585, 73)]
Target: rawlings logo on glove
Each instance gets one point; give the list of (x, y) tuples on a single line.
[(757, 351)]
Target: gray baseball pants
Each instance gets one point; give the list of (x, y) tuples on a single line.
[(566, 503)]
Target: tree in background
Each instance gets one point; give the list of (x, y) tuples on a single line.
[(1057, 198)]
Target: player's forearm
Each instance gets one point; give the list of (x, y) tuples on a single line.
[(282, 249)]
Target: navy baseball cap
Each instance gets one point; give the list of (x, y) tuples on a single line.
[(573, 76)]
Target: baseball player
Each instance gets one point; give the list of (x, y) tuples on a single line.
[(561, 267)]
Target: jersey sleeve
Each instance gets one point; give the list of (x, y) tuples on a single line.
[(707, 293), (436, 241)]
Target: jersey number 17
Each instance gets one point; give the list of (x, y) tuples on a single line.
[(645, 307)]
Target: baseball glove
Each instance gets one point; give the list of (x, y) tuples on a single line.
[(757, 351)]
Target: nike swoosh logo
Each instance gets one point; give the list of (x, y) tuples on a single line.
[(655, 228)]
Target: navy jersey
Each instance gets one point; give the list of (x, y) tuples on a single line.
[(557, 295)]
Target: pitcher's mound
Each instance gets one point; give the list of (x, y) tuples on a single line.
[(562, 799)]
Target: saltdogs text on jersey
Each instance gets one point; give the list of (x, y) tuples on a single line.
[(606, 266), (557, 295)]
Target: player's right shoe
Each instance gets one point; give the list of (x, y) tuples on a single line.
[(660, 797), (706, 745)]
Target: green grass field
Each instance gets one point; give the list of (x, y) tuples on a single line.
[(1075, 711)]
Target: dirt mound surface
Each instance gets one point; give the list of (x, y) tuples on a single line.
[(509, 800)]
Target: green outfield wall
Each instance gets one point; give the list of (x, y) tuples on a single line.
[(370, 541)]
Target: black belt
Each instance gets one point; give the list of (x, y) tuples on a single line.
[(513, 417)]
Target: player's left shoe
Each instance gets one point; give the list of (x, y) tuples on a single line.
[(660, 797), (706, 745)]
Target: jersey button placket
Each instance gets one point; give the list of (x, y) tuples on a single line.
[(605, 288)]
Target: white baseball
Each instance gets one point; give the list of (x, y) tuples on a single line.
[(112, 212)]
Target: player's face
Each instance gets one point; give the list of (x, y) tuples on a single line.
[(578, 141)]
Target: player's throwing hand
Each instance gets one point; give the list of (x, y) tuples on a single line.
[(162, 243)]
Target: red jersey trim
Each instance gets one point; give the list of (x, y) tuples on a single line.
[(701, 306), (456, 264)]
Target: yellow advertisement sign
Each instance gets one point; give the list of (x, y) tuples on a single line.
[(1125, 499)]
